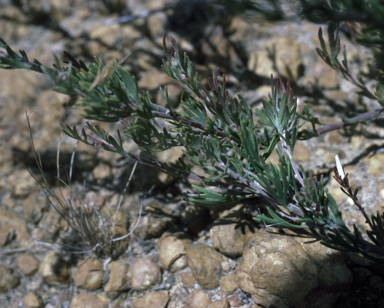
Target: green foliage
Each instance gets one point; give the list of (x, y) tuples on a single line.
[(219, 133)]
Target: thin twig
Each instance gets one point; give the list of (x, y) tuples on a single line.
[(122, 196), (138, 219)]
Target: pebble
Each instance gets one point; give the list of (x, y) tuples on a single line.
[(154, 299), (205, 264), (28, 264), (89, 274), (53, 270), (143, 273), (118, 279)]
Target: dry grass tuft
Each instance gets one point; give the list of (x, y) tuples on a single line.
[(98, 232)]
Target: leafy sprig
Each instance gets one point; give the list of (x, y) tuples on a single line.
[(218, 132)]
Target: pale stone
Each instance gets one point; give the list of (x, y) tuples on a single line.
[(154, 79), (221, 303), (8, 279), (28, 264), (22, 184), (173, 248), (199, 299), (118, 279), (289, 272), (87, 300), (154, 299), (106, 34), (205, 264), (10, 222), (89, 274), (229, 235), (228, 284), (286, 53), (188, 280), (50, 226), (143, 273), (53, 270), (32, 300)]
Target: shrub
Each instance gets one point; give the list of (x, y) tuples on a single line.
[(219, 134)]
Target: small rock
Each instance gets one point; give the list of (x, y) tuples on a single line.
[(139, 61), (13, 13), (239, 29), (152, 226), (6, 156), (9, 223), (334, 137), (53, 270), (154, 299), (151, 81), (129, 34), (87, 300), (329, 80), (199, 299), (357, 142), (228, 284), (188, 280), (51, 104), (50, 226), (21, 184), (221, 303), (8, 279), (228, 265), (339, 97), (89, 274), (92, 48), (374, 164), (6, 236), (290, 273), (170, 156), (173, 248), (328, 77), (286, 55), (179, 295), (229, 235), (144, 273), (106, 34), (154, 79), (156, 23), (32, 300), (301, 153), (102, 172), (55, 9), (28, 264), (205, 264), (118, 280), (11, 83), (234, 300), (34, 207)]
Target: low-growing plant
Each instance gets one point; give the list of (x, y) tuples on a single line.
[(219, 133), (98, 233)]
